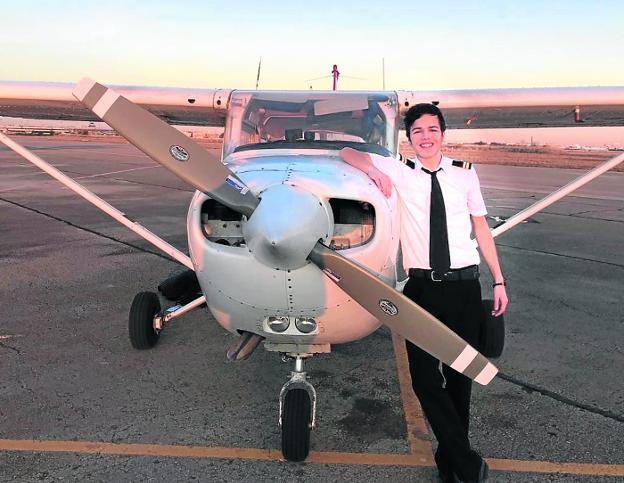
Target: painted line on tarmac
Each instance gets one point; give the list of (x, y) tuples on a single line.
[(372, 459), (589, 195), (554, 254), (180, 451), (417, 433), (37, 183), (552, 467), (138, 449), (322, 457), (111, 153), (117, 172), (88, 230)]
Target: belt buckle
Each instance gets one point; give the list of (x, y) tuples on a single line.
[(433, 278)]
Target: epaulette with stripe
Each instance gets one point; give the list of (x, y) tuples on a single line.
[(462, 164), (407, 161)]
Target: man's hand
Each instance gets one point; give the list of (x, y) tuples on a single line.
[(382, 180), (364, 163), (500, 300), (488, 250)]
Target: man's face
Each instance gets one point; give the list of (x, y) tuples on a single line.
[(426, 137)]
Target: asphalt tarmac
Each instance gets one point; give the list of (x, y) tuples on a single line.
[(78, 403)]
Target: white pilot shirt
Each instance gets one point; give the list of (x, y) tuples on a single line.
[(462, 198)]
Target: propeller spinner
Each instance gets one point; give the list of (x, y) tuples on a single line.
[(189, 161)]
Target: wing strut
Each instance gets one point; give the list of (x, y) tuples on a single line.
[(557, 195), (92, 198)]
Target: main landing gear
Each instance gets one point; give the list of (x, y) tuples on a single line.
[(141, 329), (297, 413), (146, 319)]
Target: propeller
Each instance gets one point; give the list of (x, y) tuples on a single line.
[(186, 159), (167, 146)]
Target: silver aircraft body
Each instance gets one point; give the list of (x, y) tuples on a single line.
[(288, 245)]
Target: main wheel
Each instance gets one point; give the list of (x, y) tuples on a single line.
[(141, 320), (296, 422)]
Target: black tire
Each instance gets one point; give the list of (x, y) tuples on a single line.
[(141, 320), (296, 421)]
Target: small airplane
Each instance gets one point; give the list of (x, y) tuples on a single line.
[(289, 245)]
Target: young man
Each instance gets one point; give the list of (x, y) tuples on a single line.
[(440, 203)]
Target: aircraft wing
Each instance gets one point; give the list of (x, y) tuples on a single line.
[(46, 100), (528, 107), (463, 109)]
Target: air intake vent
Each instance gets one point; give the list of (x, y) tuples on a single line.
[(354, 223)]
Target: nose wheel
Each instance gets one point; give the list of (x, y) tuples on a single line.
[(296, 425), (297, 414)]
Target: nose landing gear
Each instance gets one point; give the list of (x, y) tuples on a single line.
[(297, 415)]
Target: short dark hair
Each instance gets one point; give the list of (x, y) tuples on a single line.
[(419, 110)]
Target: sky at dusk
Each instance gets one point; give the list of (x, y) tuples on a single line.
[(447, 44), (426, 45)]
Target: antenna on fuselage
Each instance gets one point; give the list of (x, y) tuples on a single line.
[(334, 75), (258, 76), (383, 73)]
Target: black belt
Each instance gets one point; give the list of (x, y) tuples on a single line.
[(467, 273)]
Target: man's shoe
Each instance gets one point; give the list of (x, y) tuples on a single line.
[(445, 471), (447, 476), (483, 473)]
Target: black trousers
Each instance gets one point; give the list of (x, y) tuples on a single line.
[(444, 394)]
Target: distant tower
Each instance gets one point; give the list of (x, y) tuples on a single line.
[(335, 75)]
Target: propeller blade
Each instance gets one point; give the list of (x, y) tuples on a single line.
[(403, 316), (167, 146)]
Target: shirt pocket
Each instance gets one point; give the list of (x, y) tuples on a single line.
[(415, 193), (455, 201)]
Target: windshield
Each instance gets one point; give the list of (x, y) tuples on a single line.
[(311, 120)]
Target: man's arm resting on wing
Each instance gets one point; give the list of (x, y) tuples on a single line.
[(488, 251), (364, 163)]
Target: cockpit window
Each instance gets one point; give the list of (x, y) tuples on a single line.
[(315, 120)]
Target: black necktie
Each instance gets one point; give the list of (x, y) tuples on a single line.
[(439, 257)]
